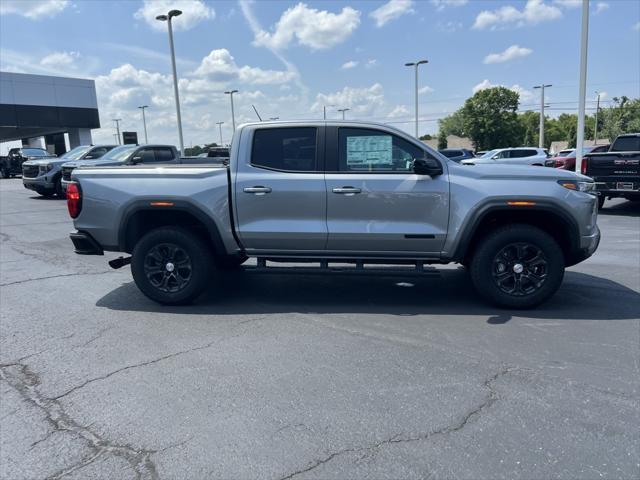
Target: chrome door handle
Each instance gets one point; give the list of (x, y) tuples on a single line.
[(347, 190), (257, 190)]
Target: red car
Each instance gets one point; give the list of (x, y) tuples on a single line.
[(568, 161)]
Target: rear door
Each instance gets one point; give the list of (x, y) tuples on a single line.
[(375, 202), (280, 193)]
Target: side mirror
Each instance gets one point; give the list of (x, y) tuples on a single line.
[(136, 159), (427, 166)]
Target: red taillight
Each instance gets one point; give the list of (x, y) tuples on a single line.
[(583, 167), (74, 199)]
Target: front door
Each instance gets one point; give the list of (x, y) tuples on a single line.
[(375, 203), (280, 193)]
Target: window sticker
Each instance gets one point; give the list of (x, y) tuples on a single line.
[(373, 150)]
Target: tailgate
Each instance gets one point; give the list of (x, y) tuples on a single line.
[(613, 165)]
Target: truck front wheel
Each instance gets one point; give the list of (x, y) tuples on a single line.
[(517, 266), (171, 265)]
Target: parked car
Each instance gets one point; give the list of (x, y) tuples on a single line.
[(132, 155), (369, 193), (457, 154), (45, 175), (616, 172), (563, 153), (11, 165), (567, 161), (513, 156), (480, 153)]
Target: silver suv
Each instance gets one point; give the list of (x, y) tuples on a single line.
[(512, 156)]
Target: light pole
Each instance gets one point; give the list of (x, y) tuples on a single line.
[(324, 111), (343, 110), (144, 122), (118, 120), (220, 127), (167, 18), (416, 64), (584, 41), (541, 139), (233, 115), (595, 128)]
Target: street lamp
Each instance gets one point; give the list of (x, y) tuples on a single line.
[(595, 129), (118, 120), (324, 111), (144, 122), (220, 127), (167, 18), (343, 110), (584, 42), (416, 64), (541, 135), (233, 115)]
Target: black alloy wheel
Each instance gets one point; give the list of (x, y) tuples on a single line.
[(168, 267), (520, 269)]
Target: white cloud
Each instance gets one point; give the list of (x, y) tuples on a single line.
[(525, 95), (425, 90), (60, 59), (220, 67), (534, 12), (33, 9), (442, 4), (391, 10), (398, 111), (193, 12), (601, 7), (361, 101), (568, 3), (512, 53), (636, 27), (317, 29), (348, 65), (371, 63)]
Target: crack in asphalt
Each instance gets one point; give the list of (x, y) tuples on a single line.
[(26, 383), (135, 365), (399, 438), (17, 282)]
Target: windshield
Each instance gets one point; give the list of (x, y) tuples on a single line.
[(34, 152), (489, 154), (119, 153), (76, 153)]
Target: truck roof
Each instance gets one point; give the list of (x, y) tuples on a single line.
[(362, 123)]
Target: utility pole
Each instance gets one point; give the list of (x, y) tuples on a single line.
[(144, 122), (584, 44), (343, 110), (541, 135), (595, 128), (416, 65), (324, 111), (167, 18), (220, 127), (233, 115), (118, 120)]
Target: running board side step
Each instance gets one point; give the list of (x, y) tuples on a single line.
[(418, 269)]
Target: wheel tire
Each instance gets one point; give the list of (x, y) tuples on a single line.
[(190, 247), (60, 193), (4, 173), (601, 200), (486, 261), (230, 262)]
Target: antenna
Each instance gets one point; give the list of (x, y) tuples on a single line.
[(255, 110)]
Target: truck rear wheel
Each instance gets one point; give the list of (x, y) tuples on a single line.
[(171, 265), (517, 266)]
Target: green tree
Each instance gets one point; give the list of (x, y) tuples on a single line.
[(453, 124), (622, 117), (530, 125), (442, 140), (490, 118), (426, 136)]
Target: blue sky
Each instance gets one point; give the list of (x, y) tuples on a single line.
[(290, 58)]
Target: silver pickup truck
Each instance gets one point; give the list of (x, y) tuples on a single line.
[(333, 194)]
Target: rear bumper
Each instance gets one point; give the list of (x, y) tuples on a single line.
[(630, 187), (85, 244)]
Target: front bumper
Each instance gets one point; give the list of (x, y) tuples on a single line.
[(85, 244), (44, 182)]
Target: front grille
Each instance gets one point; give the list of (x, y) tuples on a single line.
[(30, 171), (66, 173)]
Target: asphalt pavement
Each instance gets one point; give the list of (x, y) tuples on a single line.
[(289, 376)]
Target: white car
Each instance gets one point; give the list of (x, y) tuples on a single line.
[(511, 156)]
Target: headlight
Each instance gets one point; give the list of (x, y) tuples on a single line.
[(45, 168), (587, 187)]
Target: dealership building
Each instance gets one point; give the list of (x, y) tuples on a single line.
[(34, 108)]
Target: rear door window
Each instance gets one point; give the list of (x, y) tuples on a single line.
[(626, 144), (286, 149), (163, 154)]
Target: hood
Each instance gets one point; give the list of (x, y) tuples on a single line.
[(516, 172), (45, 161), (93, 163)]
